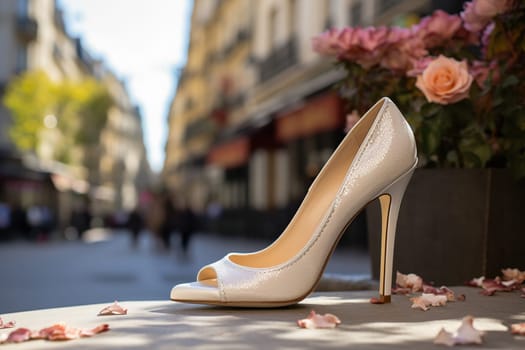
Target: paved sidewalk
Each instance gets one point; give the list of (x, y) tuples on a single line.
[(170, 325), (61, 273)]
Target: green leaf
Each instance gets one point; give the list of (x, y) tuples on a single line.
[(510, 80), (431, 137)]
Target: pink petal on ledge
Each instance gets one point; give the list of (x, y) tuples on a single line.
[(114, 309), (465, 334), (513, 274), (425, 300), (491, 286), (412, 281), (9, 324), (523, 292), (445, 338), (315, 320), (476, 282), (18, 335), (443, 290), (402, 291), (59, 331), (518, 328)]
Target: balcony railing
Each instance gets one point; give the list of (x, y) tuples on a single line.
[(235, 101), (199, 127), (27, 28), (278, 60)]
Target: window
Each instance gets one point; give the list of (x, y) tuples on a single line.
[(386, 4), (356, 13), (292, 9), (272, 30)]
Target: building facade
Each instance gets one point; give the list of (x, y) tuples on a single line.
[(33, 37), (255, 115), (123, 170)]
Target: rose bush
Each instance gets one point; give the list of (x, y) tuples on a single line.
[(460, 79)]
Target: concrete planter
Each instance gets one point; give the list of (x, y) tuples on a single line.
[(456, 224)]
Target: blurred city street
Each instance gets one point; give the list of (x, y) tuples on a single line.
[(106, 267)]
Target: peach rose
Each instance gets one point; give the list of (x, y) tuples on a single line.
[(445, 80)]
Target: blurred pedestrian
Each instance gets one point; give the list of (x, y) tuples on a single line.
[(5, 220), (135, 224), (168, 224), (81, 220), (186, 224), (19, 225)]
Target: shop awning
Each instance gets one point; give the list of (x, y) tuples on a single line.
[(230, 154), (319, 114)]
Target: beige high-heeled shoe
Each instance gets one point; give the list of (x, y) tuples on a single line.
[(375, 160)]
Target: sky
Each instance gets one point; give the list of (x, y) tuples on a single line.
[(143, 42)]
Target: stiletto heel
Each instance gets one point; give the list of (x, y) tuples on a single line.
[(390, 202), (375, 159)]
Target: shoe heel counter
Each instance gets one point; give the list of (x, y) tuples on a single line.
[(405, 138)]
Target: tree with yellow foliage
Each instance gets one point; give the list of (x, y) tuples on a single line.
[(80, 109)]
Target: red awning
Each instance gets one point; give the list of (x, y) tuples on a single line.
[(320, 114), (231, 154)]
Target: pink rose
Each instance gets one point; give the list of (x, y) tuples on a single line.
[(327, 43), (481, 70), (418, 66), (445, 80), (491, 8), (486, 34), (436, 29), (364, 45), (478, 13), (351, 120), (371, 38), (472, 21), (402, 48)]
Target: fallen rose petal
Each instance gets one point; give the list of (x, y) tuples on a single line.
[(425, 300), (412, 281), (510, 283), (445, 338), (465, 334), (9, 324), (523, 292), (51, 331), (488, 292), (513, 274), (63, 332), (402, 291), (19, 335), (443, 290), (476, 282), (375, 300), (59, 331), (98, 329), (491, 286), (518, 328), (461, 297), (315, 320), (114, 309)]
